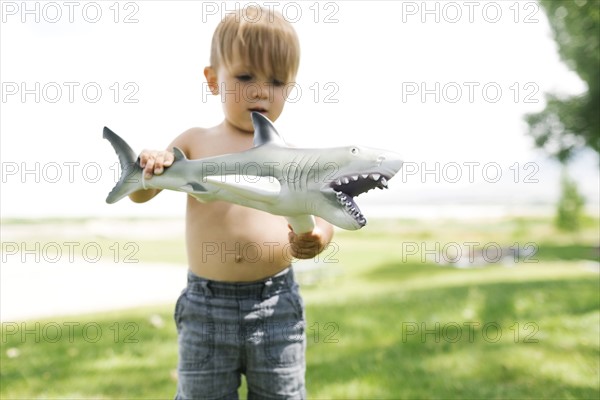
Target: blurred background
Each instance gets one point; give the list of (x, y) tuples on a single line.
[(448, 86), (493, 106)]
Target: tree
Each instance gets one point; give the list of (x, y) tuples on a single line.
[(570, 206), (568, 124)]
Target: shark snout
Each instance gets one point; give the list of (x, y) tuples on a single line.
[(389, 163)]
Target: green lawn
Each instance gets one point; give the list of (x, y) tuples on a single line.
[(382, 323)]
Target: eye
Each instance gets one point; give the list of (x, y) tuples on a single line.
[(277, 82), (244, 77), (354, 150)]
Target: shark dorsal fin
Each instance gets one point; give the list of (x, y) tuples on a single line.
[(264, 131), (179, 155)]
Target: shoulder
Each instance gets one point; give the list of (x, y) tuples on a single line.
[(190, 141), (189, 136)]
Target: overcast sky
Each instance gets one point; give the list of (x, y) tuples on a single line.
[(438, 82)]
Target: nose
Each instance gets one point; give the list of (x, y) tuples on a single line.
[(258, 91), (380, 160)]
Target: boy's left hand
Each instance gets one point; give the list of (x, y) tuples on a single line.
[(307, 245)]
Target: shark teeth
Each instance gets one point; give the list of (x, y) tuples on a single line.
[(350, 207), (349, 186), (356, 184)]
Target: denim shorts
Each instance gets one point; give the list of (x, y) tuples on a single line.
[(228, 329)]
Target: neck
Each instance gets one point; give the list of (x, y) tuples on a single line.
[(231, 128)]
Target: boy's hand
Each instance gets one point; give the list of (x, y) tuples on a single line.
[(154, 162), (307, 245)]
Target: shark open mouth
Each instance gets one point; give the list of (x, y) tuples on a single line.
[(347, 187)]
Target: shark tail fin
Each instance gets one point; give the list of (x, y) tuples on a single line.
[(131, 173)]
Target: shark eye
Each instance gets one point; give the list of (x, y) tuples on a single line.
[(354, 150)]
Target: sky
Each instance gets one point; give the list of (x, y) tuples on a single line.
[(444, 84)]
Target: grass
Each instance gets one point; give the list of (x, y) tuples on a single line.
[(381, 324), (484, 338), (105, 356)]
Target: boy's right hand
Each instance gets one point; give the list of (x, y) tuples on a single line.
[(154, 162)]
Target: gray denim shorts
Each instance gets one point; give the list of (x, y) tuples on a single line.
[(229, 329)]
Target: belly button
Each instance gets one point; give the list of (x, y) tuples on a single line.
[(238, 258)]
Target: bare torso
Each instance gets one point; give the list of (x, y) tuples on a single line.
[(227, 242)]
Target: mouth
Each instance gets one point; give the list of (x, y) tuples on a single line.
[(258, 109), (348, 187)]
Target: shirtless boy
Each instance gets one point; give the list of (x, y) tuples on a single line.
[(241, 313)]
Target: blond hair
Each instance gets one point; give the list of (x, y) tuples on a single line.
[(264, 41)]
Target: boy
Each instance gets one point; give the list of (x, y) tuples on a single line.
[(241, 311)]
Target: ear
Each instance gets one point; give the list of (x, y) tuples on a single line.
[(211, 78)]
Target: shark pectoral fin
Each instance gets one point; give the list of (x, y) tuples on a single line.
[(193, 187), (199, 192), (258, 188), (302, 223)]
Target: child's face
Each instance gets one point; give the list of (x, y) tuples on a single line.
[(243, 91)]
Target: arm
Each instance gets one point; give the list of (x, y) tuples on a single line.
[(308, 245)]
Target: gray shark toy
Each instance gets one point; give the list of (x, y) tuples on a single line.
[(296, 183)]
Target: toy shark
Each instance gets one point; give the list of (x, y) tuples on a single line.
[(297, 183)]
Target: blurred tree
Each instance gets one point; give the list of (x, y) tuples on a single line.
[(567, 124), (570, 206)]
